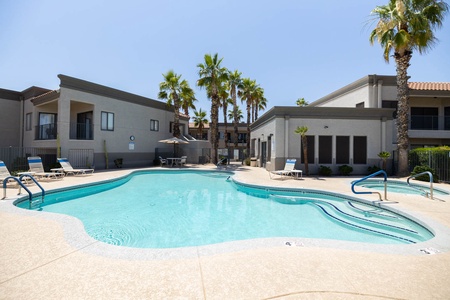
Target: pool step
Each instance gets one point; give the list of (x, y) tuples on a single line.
[(359, 222), (36, 202), (355, 216)]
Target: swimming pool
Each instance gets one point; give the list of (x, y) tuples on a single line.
[(170, 209), (396, 186)]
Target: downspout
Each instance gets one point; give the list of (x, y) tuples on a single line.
[(380, 93), (286, 137), (21, 134)]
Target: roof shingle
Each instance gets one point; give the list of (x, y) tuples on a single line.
[(429, 86)]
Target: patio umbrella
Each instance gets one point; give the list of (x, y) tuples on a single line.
[(175, 141)]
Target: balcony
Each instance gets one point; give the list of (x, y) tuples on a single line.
[(81, 131), (429, 127), (46, 132)]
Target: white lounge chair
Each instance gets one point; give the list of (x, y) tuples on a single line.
[(37, 169), (289, 170), (4, 173), (68, 169)]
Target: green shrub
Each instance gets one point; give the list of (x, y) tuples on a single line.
[(247, 161), (373, 169), (325, 171), (345, 170), (425, 177)]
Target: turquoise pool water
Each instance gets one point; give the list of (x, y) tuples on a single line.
[(169, 209), (400, 187)]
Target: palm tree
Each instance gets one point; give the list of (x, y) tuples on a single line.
[(212, 74), (301, 102), (231, 114), (169, 90), (404, 26), (187, 97), (200, 121), (302, 131), (384, 155), (247, 94), (235, 82), (261, 101), (223, 103)]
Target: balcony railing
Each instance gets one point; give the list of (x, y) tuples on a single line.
[(429, 123), (81, 131), (46, 132)]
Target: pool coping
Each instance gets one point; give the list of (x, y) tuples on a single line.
[(76, 236)]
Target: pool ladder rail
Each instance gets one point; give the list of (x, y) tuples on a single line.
[(370, 176), (31, 202), (431, 182)]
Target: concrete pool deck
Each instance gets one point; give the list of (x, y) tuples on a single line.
[(48, 256)]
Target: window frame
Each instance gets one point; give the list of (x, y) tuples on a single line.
[(105, 124), (29, 122), (154, 125)]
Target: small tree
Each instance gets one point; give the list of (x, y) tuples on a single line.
[(302, 131), (384, 155)]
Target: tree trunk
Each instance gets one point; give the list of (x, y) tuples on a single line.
[(305, 153), (248, 127), (402, 62), (235, 117), (214, 126), (225, 135), (176, 118)]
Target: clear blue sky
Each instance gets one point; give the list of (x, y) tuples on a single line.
[(292, 48)]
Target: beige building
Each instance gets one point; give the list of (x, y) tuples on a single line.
[(226, 143), (93, 125), (429, 105), (352, 125)]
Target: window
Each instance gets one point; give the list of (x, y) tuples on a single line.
[(107, 121), (425, 118), (47, 127), (342, 149), (154, 125), (28, 122), (447, 118), (325, 149), (359, 149)]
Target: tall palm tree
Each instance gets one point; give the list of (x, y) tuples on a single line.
[(200, 121), (404, 26), (187, 97), (231, 114), (169, 90), (247, 94), (223, 103), (212, 74), (302, 131), (260, 102), (235, 82)]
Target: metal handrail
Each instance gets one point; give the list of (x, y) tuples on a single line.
[(21, 185), (431, 181), (370, 176)]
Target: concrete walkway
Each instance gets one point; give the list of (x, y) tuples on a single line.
[(49, 256)]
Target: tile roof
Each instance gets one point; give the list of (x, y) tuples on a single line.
[(429, 86)]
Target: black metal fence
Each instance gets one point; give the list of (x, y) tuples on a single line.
[(438, 161), (15, 158)]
